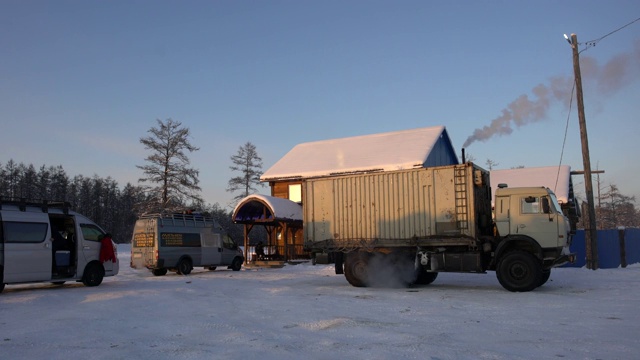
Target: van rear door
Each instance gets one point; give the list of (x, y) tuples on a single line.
[(28, 250)]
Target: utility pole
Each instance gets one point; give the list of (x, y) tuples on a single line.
[(591, 238)]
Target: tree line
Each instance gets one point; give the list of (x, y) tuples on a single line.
[(168, 185)]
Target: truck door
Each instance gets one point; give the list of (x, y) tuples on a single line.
[(28, 252), (536, 219), (501, 214)]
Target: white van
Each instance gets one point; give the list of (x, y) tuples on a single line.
[(47, 242), (178, 242)]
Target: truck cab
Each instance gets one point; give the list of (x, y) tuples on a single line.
[(532, 214)]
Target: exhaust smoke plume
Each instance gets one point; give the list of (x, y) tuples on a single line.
[(608, 79)]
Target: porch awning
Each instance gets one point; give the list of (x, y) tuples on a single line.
[(265, 209)]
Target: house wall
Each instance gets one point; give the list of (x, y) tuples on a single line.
[(442, 153)]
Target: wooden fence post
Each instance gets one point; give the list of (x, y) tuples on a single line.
[(623, 250)]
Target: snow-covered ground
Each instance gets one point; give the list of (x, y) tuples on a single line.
[(306, 311)]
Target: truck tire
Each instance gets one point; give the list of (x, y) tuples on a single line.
[(93, 274), (184, 266), (425, 278), (159, 272), (545, 277), (519, 271), (356, 268)]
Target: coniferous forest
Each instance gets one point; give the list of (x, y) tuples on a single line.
[(103, 200)]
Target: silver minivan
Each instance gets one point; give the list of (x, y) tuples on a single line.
[(179, 242), (47, 242)]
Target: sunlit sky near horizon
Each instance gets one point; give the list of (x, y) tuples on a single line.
[(82, 81)]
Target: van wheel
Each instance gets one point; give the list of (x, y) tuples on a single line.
[(184, 266), (93, 275), (519, 271), (159, 272), (211, 268), (236, 264)]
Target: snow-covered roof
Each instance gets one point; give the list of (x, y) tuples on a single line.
[(397, 150), (536, 176), (266, 208)]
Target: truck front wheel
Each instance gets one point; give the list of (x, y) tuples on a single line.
[(519, 271), (545, 277), (356, 268)]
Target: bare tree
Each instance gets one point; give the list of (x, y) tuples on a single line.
[(616, 210), (249, 164), (172, 181), (491, 164)]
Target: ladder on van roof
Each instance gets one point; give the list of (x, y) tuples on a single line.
[(45, 205)]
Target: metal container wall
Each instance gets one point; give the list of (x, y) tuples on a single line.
[(391, 206)]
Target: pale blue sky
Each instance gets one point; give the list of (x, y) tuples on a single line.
[(82, 81)]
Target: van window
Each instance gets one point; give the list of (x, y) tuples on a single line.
[(25, 232), (180, 240), (228, 242), (91, 232)]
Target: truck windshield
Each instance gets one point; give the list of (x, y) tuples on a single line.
[(556, 205)]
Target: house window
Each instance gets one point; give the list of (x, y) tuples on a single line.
[(295, 192)]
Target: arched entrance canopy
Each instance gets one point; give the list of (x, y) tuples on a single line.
[(275, 214), (266, 209)]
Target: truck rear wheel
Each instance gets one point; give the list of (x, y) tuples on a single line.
[(356, 268), (519, 271), (425, 278)]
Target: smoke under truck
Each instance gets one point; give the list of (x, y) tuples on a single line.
[(409, 225)]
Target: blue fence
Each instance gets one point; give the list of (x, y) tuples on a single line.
[(608, 248)]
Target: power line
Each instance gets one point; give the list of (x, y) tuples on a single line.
[(593, 42), (566, 130)]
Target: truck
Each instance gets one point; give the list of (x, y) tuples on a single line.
[(406, 226), (179, 242), (46, 241)]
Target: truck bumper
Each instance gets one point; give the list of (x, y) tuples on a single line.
[(563, 259)]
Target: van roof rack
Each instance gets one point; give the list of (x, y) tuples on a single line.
[(192, 219), (44, 204)]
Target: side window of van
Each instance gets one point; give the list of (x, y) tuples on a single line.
[(228, 242), (25, 232), (91, 232)]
